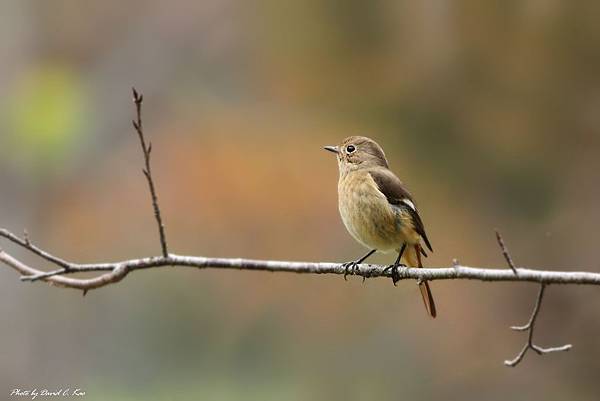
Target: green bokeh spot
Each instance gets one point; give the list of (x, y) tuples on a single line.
[(45, 118)]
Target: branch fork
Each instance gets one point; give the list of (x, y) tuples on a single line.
[(530, 325)]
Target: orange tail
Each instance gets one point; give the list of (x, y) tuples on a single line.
[(428, 299), (410, 255)]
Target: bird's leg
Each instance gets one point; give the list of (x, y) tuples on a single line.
[(394, 267), (351, 267)]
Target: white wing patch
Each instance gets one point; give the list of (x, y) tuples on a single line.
[(409, 203)]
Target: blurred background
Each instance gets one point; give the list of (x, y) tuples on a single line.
[(487, 110)]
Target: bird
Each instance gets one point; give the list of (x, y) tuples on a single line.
[(377, 209)]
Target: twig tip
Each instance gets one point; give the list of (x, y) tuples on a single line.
[(137, 97)]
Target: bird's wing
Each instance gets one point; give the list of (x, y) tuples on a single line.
[(398, 195)]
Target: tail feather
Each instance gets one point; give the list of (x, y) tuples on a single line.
[(412, 256), (428, 299)]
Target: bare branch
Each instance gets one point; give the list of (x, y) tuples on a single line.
[(138, 98), (456, 272), (530, 326), (111, 277), (505, 252)]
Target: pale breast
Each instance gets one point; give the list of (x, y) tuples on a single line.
[(368, 215)]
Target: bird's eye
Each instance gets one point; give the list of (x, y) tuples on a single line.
[(350, 148)]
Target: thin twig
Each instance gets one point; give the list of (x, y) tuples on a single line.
[(138, 98), (26, 243), (505, 252), (530, 326), (42, 275)]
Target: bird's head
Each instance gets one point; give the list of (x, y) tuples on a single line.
[(357, 152)]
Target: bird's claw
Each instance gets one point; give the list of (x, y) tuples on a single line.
[(393, 269), (350, 268)]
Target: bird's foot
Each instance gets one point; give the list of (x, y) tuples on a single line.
[(393, 269), (350, 268)]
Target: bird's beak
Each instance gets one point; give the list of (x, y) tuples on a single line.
[(333, 149)]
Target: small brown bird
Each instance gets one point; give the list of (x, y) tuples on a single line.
[(377, 210)]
